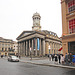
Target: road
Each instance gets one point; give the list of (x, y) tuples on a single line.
[(20, 68)]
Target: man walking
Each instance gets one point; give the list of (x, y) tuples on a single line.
[(70, 58), (49, 57), (66, 58), (59, 57)]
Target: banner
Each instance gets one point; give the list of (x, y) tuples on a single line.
[(34, 43), (60, 49), (38, 44)]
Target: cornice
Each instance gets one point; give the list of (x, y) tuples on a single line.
[(69, 35)]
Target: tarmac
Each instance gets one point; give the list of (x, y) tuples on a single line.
[(44, 61)]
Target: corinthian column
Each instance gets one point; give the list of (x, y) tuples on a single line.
[(35, 46), (26, 48), (32, 47), (43, 47), (29, 47), (40, 48)]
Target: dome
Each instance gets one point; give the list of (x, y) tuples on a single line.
[(36, 14)]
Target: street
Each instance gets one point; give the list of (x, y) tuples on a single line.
[(20, 68)]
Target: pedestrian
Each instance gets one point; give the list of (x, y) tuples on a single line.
[(59, 57), (73, 60), (30, 55), (70, 58), (49, 57), (66, 58), (52, 57), (62, 59), (56, 59), (1, 56), (19, 56)]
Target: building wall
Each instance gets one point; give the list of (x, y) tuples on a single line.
[(15, 46), (67, 15), (6, 46), (54, 47)]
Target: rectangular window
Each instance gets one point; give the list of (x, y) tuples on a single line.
[(2, 45), (71, 6), (72, 26)]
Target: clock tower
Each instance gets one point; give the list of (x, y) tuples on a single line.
[(36, 21)]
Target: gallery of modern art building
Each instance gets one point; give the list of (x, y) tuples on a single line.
[(37, 41)]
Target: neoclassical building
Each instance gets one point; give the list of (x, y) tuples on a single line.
[(37, 41)]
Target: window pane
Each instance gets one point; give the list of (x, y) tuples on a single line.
[(71, 6)]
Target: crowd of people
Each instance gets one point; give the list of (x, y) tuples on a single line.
[(68, 59)]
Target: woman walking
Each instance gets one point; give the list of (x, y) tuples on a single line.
[(62, 59)]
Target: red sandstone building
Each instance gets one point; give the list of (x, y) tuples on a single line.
[(68, 26)]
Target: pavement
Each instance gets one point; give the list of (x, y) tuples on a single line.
[(44, 61)]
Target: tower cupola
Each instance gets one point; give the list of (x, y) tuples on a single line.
[(36, 21)]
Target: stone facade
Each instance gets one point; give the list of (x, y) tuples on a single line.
[(6, 47), (68, 26)]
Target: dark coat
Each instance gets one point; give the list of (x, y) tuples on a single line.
[(59, 56), (56, 59)]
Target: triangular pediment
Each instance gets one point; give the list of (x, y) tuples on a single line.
[(29, 33), (24, 33)]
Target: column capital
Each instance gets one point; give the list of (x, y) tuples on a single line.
[(43, 38)]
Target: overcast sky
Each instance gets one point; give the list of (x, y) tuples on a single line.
[(16, 16)]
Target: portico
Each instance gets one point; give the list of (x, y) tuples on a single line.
[(36, 43)]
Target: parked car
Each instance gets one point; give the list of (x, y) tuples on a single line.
[(13, 58)]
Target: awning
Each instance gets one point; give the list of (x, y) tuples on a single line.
[(60, 49)]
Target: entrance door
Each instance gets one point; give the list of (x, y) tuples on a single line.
[(71, 47)]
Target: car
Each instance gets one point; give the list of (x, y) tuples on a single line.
[(13, 58)]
